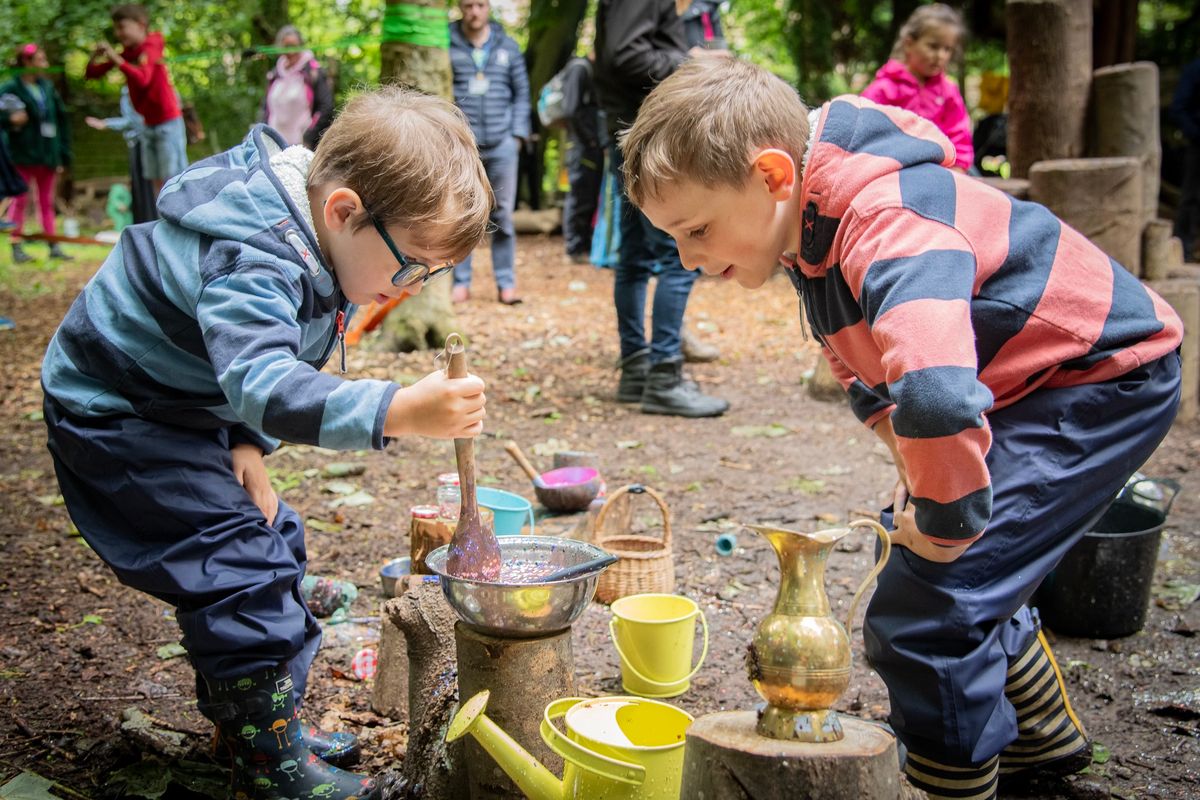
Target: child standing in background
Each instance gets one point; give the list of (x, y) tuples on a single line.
[(164, 141), (39, 135), (914, 78)]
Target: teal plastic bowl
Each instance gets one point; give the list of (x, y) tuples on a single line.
[(510, 511)]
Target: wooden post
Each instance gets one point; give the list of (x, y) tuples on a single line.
[(1050, 60), (1183, 295), (1123, 121), (1099, 197), (1156, 250), (725, 758), (431, 767), (524, 676)]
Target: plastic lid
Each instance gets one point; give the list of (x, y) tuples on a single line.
[(448, 479), (425, 512)]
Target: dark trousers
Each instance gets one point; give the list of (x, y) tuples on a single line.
[(585, 168), (161, 506), (145, 204), (941, 635), (645, 252), (1187, 217)]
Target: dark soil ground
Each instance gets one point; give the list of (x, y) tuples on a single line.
[(79, 652)]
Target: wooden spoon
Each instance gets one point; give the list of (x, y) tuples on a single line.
[(518, 455), (474, 551)]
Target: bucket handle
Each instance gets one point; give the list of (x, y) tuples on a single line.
[(879, 565), (1172, 486), (580, 756), (612, 631)]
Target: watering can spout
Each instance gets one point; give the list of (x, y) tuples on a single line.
[(537, 782)]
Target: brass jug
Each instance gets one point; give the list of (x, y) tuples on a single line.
[(799, 661)]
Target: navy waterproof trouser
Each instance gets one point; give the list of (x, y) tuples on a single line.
[(941, 635), (160, 504)]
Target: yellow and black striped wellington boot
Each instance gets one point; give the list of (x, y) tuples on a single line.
[(1050, 738), (944, 782)]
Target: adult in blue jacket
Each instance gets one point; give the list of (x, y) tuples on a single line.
[(492, 89)]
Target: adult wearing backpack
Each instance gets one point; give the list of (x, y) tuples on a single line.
[(492, 89), (586, 138), (299, 99)]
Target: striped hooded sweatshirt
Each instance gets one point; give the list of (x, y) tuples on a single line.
[(937, 299), (221, 314)]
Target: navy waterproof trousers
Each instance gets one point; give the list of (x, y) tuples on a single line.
[(941, 635), (160, 504)]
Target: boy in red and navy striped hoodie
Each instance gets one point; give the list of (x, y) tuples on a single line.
[(1017, 373)]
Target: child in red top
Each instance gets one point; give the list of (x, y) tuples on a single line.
[(915, 76), (164, 143)]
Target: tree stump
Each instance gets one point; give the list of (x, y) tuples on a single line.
[(1050, 60), (725, 759), (389, 697), (1156, 250), (1099, 197), (425, 536), (524, 676), (1183, 295), (822, 385), (1123, 121), (419, 323), (431, 767)]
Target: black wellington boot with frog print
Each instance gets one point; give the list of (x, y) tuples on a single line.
[(256, 719)]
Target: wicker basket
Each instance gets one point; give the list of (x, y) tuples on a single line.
[(646, 563)]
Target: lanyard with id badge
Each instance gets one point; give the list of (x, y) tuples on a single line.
[(41, 99), (478, 85)]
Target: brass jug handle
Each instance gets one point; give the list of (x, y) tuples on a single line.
[(874, 573)]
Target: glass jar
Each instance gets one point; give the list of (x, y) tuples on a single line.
[(449, 498)]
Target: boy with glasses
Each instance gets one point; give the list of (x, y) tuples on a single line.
[(198, 346)]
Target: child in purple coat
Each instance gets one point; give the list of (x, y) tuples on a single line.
[(914, 78)]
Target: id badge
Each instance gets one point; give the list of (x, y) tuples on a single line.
[(49, 130), (477, 85)]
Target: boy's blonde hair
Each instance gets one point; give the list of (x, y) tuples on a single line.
[(705, 122), (924, 18), (412, 159)]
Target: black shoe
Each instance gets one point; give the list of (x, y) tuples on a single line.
[(19, 254), (257, 720), (634, 369), (667, 392), (57, 252)]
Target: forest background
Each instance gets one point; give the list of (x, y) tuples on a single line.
[(219, 52)]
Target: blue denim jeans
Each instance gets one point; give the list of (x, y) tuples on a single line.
[(500, 163), (647, 251)]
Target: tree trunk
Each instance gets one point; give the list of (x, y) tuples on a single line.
[(272, 15), (1123, 121), (431, 767), (1183, 295), (1050, 58), (1115, 34), (1099, 197), (524, 676), (389, 697), (1156, 250), (726, 758), (424, 321)]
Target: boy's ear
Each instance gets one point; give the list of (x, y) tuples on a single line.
[(778, 170), (340, 207)]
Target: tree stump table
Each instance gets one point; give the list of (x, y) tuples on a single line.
[(726, 759)]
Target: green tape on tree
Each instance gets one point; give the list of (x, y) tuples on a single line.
[(413, 24)]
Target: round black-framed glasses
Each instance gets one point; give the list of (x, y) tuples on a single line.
[(411, 270)]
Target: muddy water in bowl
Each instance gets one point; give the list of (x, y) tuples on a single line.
[(526, 600)]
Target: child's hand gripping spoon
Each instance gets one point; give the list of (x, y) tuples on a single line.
[(474, 551)]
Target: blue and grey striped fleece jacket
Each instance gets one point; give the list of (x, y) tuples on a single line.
[(221, 314)]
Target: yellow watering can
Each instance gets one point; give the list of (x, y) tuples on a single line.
[(615, 748)]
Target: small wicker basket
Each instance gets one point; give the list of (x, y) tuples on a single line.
[(646, 564)]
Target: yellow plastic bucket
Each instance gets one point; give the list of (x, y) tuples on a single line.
[(654, 635), (618, 748)]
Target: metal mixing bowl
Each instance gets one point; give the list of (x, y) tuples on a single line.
[(522, 610)]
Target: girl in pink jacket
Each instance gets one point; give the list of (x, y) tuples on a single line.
[(914, 78)]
